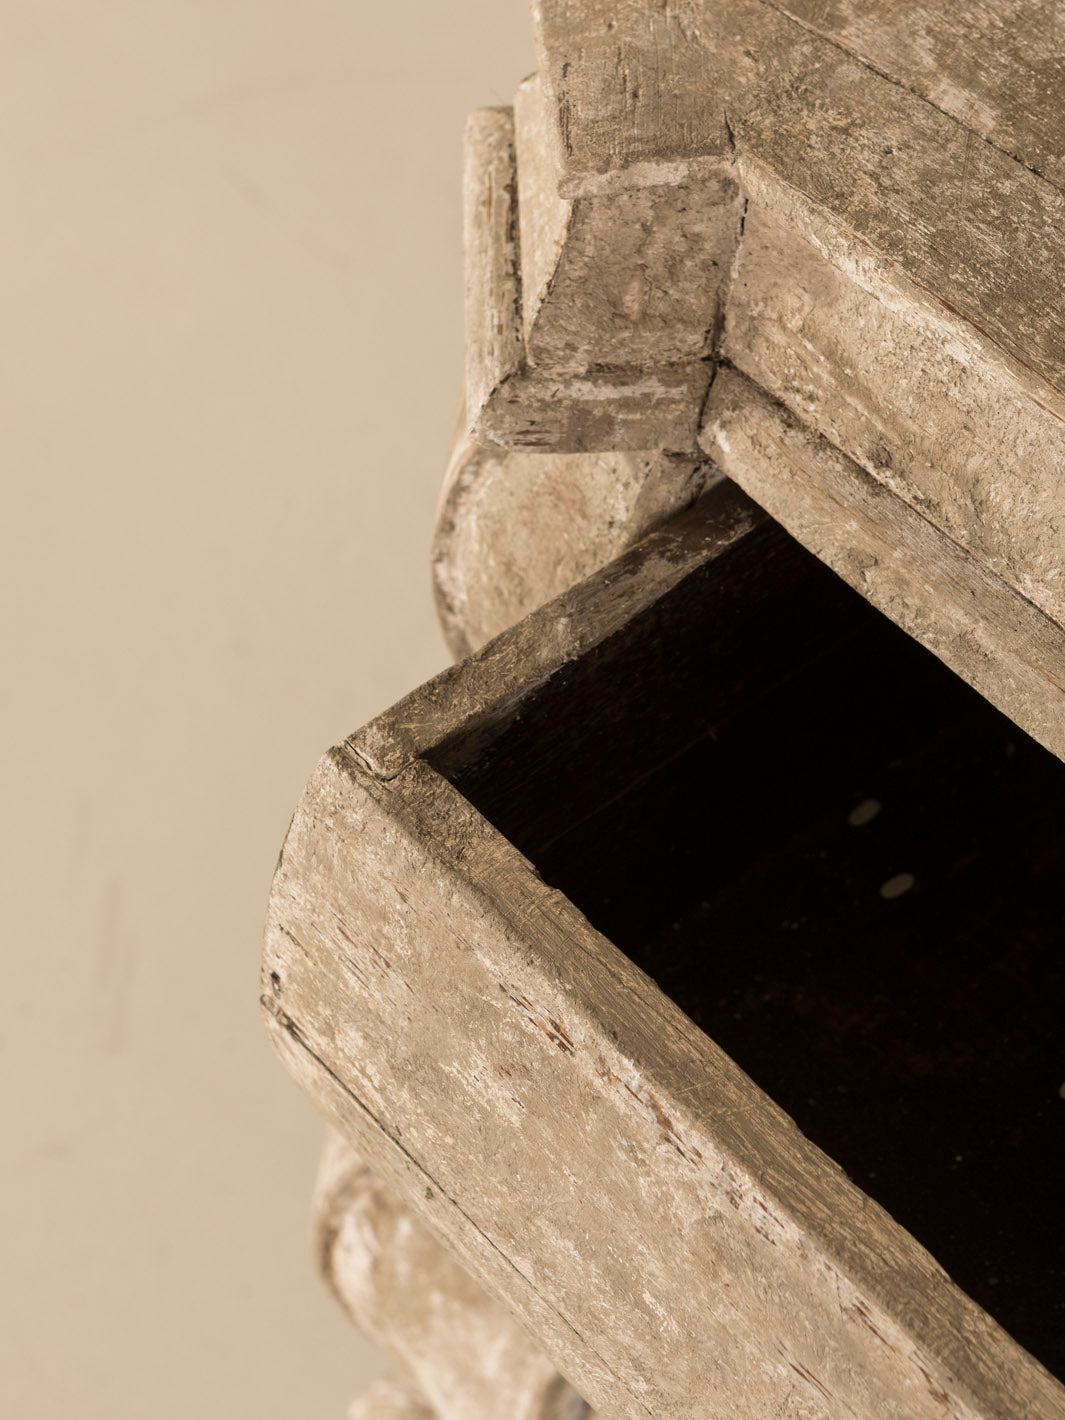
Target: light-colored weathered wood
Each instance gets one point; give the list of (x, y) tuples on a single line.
[(634, 279), (999, 68), (510, 403), (897, 283), (487, 687), (958, 438), (517, 527), (494, 345), (994, 67), (468, 1357), (816, 131), (898, 280), (636, 91), (859, 208), (993, 638), (600, 411), (697, 1256), (688, 1252)]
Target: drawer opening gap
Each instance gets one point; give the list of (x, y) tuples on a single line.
[(847, 868)]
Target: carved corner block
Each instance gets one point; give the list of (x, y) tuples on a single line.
[(574, 344)]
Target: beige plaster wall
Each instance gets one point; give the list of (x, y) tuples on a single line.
[(231, 314)]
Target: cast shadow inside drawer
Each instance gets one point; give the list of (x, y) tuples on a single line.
[(848, 869)]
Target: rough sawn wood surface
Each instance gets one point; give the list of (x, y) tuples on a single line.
[(465, 1356), (847, 203), (817, 247), (685, 1252)]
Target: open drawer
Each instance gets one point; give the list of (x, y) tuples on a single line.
[(691, 958)]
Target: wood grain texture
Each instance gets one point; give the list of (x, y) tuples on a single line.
[(513, 405), (516, 527), (600, 411), (494, 347), (947, 599), (887, 297), (635, 90), (957, 437), (632, 89), (814, 128), (998, 68), (487, 688), (685, 1251), (469, 1358), (634, 279), (696, 1256), (690, 785)]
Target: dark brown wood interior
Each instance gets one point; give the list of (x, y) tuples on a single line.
[(848, 869)]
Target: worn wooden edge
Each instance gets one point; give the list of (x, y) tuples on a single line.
[(992, 69), (612, 130), (463, 1022), (1013, 526), (634, 279), (468, 1356), (977, 231), (862, 260), (1016, 530), (489, 685), (494, 341), (543, 217), (953, 435), (515, 527), (983, 629), (996, 68), (510, 403), (596, 410)]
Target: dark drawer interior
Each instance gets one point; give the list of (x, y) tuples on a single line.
[(848, 869)]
